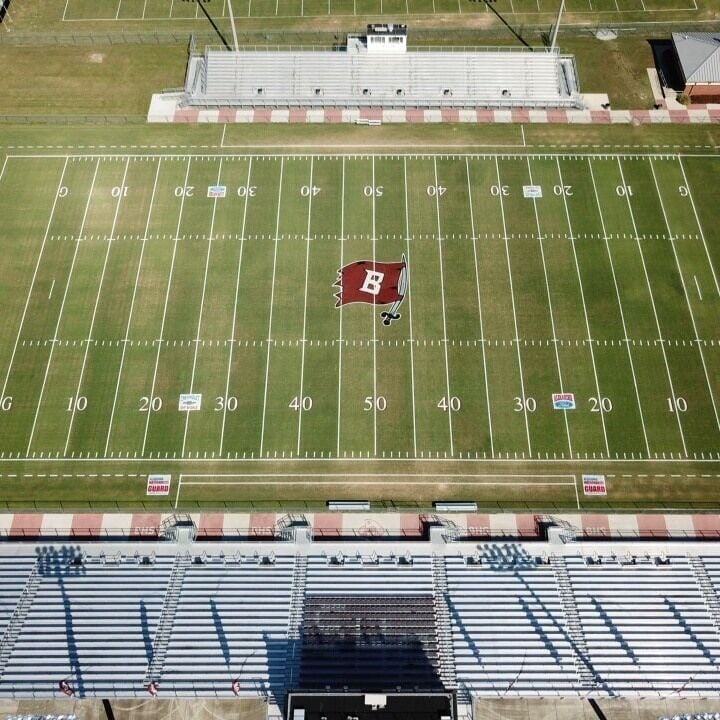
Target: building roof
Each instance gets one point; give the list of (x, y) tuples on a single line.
[(699, 54), (214, 618)]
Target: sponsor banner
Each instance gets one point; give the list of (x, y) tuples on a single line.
[(217, 191), (158, 484), (563, 401), (594, 485), (532, 191), (190, 402)]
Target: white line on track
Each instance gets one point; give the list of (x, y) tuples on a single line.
[(687, 297), (201, 311), (442, 302), (34, 277), (132, 308), (304, 331), (652, 303), (550, 308), (620, 307), (62, 306), (95, 307), (585, 312), (480, 312), (340, 308), (512, 299), (272, 300), (697, 220), (151, 394), (235, 307), (409, 301)]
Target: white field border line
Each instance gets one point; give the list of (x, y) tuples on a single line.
[(304, 330), (340, 309), (620, 308), (585, 312), (697, 220), (687, 297), (272, 301), (512, 298), (62, 306), (652, 302), (95, 307), (132, 309), (201, 310), (569, 479), (374, 242), (409, 301), (480, 312), (442, 300), (151, 395), (235, 306), (34, 277), (550, 308)]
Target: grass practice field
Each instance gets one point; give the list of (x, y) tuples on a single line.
[(154, 10), (124, 286)]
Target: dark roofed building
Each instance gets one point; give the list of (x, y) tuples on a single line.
[(699, 58)]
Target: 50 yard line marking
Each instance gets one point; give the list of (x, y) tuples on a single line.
[(442, 298), (272, 300), (165, 305), (95, 307), (202, 307), (620, 308), (375, 401), (687, 297), (132, 308), (34, 277), (409, 300), (550, 307), (62, 307), (585, 312), (307, 270), (480, 313), (235, 306), (340, 309), (512, 299), (652, 303)]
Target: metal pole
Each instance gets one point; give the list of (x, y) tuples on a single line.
[(556, 28), (232, 24)]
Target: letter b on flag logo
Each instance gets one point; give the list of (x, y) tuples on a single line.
[(373, 282)]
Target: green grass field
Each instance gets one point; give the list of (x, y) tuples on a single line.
[(125, 286)]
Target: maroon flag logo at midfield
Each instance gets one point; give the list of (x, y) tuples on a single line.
[(375, 283)]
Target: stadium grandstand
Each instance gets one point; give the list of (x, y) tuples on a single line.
[(379, 70), (353, 627)]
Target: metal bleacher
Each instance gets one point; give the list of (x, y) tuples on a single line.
[(422, 77)]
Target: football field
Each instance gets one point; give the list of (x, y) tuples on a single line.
[(182, 307)]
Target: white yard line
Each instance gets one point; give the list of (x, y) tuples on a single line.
[(585, 312), (88, 342), (304, 339), (202, 306), (697, 220), (550, 308), (62, 307), (620, 307), (687, 297), (480, 313), (697, 286), (272, 300), (235, 307), (132, 308), (512, 299), (151, 395), (34, 277), (442, 301), (340, 309), (408, 270), (374, 315), (652, 303)]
